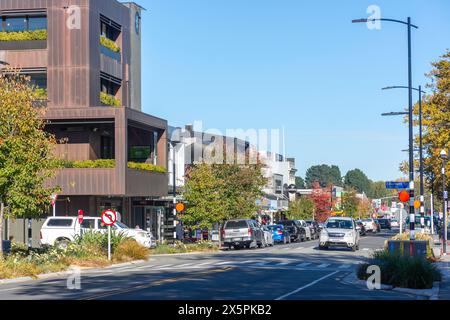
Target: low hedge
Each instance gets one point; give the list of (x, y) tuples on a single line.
[(85, 164), (108, 164), (109, 100), (23, 35), (111, 45), (402, 271), (146, 167)]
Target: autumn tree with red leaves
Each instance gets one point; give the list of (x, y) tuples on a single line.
[(322, 202)]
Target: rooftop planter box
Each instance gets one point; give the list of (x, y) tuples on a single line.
[(109, 48), (109, 100), (24, 40), (108, 164)]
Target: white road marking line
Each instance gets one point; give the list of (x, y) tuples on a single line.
[(222, 263), (306, 286), (145, 267), (184, 265), (204, 263), (263, 263), (304, 264), (247, 261), (164, 266), (344, 266), (282, 264), (323, 265)]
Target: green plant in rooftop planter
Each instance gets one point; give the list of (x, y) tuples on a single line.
[(86, 164), (23, 35), (109, 100), (146, 167), (41, 93), (111, 45)]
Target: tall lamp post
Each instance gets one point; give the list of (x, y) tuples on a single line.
[(444, 157), (173, 142), (422, 191), (410, 100)]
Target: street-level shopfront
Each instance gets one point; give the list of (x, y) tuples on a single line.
[(153, 215)]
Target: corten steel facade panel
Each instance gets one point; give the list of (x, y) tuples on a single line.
[(74, 61)]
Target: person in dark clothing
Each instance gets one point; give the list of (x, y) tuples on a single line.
[(179, 231)]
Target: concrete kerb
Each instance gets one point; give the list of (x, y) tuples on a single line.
[(432, 294), (66, 273)]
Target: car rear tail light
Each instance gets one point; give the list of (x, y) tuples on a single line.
[(249, 231), (222, 232), (280, 232)]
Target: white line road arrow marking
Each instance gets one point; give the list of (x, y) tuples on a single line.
[(304, 264), (306, 286), (323, 265)]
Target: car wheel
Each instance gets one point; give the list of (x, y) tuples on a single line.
[(62, 243)]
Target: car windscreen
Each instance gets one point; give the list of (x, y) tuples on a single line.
[(60, 223), (339, 224), (121, 225), (236, 224), (272, 228)]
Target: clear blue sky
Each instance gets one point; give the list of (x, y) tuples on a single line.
[(297, 64)]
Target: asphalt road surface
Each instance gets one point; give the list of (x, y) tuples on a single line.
[(297, 271)]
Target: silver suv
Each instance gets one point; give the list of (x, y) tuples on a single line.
[(242, 233)]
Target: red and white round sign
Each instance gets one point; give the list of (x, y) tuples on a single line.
[(109, 217)]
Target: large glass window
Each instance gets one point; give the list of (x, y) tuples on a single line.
[(25, 23), (109, 87), (39, 80), (107, 147), (37, 23)]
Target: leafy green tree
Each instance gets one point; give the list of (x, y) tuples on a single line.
[(436, 121), (301, 209), (324, 175), (378, 190), (350, 203), (220, 192), (357, 179), (26, 151), (299, 183)]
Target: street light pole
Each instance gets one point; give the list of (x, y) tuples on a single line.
[(444, 158), (422, 188), (411, 137), (421, 170), (410, 112)]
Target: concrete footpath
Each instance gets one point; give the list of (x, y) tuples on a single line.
[(444, 266)]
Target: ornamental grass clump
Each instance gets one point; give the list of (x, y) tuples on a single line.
[(402, 271)]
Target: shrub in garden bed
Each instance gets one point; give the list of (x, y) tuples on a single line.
[(402, 271), (87, 251), (179, 247)]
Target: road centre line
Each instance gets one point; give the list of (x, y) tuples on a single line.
[(306, 286)]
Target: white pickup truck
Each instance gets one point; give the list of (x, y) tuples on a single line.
[(59, 231)]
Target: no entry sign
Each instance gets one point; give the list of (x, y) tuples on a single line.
[(109, 217)]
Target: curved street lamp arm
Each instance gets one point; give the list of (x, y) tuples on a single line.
[(382, 19)]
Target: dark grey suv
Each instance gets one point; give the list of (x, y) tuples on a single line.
[(242, 233)]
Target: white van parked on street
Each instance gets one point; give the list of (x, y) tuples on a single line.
[(60, 231)]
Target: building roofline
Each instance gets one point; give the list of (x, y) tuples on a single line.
[(137, 5)]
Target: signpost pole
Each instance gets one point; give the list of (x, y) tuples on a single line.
[(109, 243), (54, 209)]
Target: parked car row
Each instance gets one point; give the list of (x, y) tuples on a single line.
[(246, 233), (60, 231)]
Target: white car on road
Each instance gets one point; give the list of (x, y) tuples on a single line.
[(60, 231), (340, 232), (307, 229), (370, 225), (268, 238)]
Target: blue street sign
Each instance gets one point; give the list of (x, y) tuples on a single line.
[(397, 185)]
